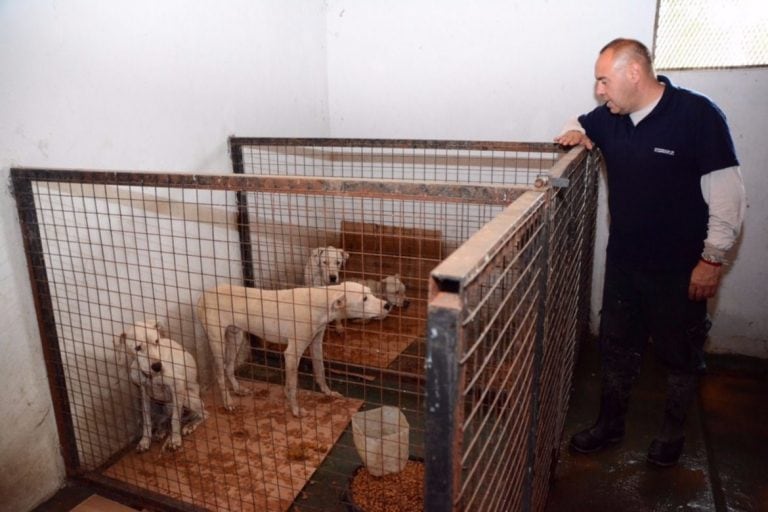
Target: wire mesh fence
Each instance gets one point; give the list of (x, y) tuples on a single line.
[(182, 339), (502, 333)]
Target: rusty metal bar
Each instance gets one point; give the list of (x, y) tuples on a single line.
[(398, 143), (243, 222), (413, 190), (46, 321), (444, 405)]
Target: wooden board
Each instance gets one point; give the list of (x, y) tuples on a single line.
[(257, 458), (377, 343), (379, 250)]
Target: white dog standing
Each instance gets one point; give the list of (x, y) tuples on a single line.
[(324, 265), (167, 373), (295, 317)]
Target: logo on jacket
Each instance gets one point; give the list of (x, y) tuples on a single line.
[(663, 151)]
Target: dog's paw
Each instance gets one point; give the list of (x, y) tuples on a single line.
[(159, 434), (190, 427), (334, 394), (172, 444), (229, 404), (241, 391), (143, 445), (228, 408), (298, 412)]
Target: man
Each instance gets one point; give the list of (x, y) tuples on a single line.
[(676, 203)]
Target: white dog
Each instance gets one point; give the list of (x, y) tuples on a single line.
[(390, 289), (296, 317), (165, 372), (324, 265)]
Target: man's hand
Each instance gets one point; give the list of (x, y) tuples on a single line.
[(705, 279), (574, 138)]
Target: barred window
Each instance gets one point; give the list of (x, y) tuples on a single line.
[(698, 34)]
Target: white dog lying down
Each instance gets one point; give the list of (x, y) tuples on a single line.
[(390, 289), (324, 265), (296, 317), (165, 372)]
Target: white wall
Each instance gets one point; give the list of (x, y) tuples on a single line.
[(140, 85), (451, 69), (160, 85)]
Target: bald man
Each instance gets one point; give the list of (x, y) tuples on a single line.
[(676, 204)]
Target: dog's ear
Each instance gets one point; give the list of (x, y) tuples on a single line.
[(316, 254), (339, 303), (397, 276), (161, 328), (345, 255)]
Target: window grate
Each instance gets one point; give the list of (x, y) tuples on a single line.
[(700, 34)]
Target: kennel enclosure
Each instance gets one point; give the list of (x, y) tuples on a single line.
[(492, 240)]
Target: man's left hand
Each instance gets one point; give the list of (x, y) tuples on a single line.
[(705, 279)]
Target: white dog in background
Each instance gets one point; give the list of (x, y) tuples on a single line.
[(295, 317), (166, 373), (324, 265), (390, 289)]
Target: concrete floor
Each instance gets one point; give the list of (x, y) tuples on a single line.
[(723, 467)]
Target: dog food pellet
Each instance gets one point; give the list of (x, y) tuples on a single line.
[(400, 492)]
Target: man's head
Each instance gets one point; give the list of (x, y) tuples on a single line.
[(625, 76)]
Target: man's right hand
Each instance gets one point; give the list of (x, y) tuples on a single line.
[(574, 138)]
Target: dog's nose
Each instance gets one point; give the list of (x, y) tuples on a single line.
[(388, 306), (333, 279), (157, 367)]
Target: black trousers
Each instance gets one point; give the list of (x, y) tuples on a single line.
[(640, 305)]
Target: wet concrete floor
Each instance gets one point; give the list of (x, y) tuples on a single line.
[(725, 463)]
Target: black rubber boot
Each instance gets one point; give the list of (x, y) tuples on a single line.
[(609, 427), (665, 454), (616, 386), (606, 431), (682, 391)]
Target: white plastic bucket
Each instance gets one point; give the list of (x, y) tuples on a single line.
[(381, 439)]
